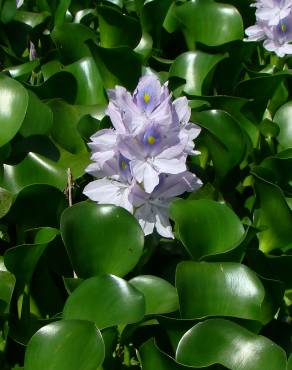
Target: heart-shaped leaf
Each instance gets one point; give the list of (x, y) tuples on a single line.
[(203, 20), (219, 289), (160, 295), (13, 105), (107, 301), (91, 225), (206, 227), (220, 341), (66, 345)]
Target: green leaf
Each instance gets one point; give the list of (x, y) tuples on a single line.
[(194, 67), (8, 10), (153, 358), (89, 82), (22, 260), (274, 215), (23, 70), (117, 29), (116, 252), (7, 283), (282, 118), (224, 342), (38, 119), (61, 85), (221, 289), (34, 169), (208, 22), (64, 130), (107, 301), (31, 19), (206, 227), (71, 37), (224, 139), (117, 66), (6, 199), (153, 14), (61, 345), (160, 295), (37, 205), (13, 105)]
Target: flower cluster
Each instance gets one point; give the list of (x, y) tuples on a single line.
[(273, 26), (141, 162)]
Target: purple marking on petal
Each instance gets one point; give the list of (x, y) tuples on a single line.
[(151, 137), (124, 167)]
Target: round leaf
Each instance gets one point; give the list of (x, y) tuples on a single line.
[(194, 67), (105, 300), (206, 227), (160, 295), (283, 119), (66, 345), (224, 342), (208, 22), (101, 239), (13, 105), (219, 289)]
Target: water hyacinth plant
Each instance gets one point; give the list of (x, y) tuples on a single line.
[(142, 161), (145, 185), (273, 26)]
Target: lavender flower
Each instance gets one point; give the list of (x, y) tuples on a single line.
[(19, 3), (141, 163), (273, 26)]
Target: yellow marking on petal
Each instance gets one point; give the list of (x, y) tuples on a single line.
[(151, 139), (284, 27), (146, 97), (123, 165)]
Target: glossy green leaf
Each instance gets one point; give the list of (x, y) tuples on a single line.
[(61, 85), (219, 289), (224, 139), (274, 216), (89, 82), (7, 283), (23, 70), (31, 19), (117, 29), (6, 199), (64, 130), (76, 162), (38, 119), (194, 67), (153, 358), (208, 22), (107, 301), (160, 295), (260, 89), (289, 365), (8, 10), (34, 169), (60, 12), (280, 165), (117, 66), (13, 105), (153, 14), (224, 342), (206, 227), (61, 345), (116, 253), (22, 260), (282, 118), (36, 206), (71, 38)]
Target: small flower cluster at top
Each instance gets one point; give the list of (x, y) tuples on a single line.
[(141, 162), (273, 26)]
